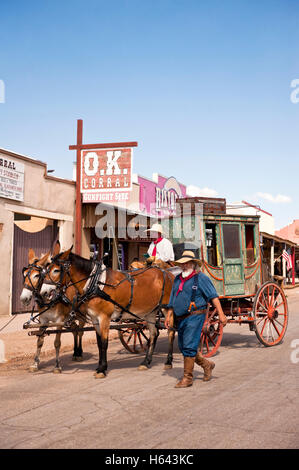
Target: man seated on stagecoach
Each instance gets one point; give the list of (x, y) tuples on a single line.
[(160, 248), (191, 293)]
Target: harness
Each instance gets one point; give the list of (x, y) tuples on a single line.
[(94, 289), (35, 290)]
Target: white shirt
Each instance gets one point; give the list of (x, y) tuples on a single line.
[(164, 250)]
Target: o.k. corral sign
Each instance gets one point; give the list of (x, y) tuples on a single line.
[(11, 179), (106, 175)]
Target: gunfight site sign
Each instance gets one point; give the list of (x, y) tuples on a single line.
[(11, 179), (106, 175)]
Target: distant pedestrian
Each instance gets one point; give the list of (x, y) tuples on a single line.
[(161, 248)]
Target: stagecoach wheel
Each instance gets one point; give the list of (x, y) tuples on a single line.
[(270, 311), (135, 340), (211, 335)]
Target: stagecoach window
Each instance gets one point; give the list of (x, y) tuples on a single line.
[(211, 243), (249, 242), (231, 239)]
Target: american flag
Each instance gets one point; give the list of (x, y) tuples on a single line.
[(288, 259)]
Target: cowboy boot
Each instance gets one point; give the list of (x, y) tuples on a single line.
[(187, 380), (207, 366)]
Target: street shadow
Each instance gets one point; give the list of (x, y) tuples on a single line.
[(240, 341), (120, 358)]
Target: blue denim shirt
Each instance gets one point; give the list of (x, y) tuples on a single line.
[(205, 293)]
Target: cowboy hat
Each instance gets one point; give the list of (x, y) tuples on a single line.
[(155, 228), (186, 257)]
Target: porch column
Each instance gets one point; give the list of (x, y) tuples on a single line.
[(284, 271), (272, 257)]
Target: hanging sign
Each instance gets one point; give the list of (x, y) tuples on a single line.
[(11, 179), (106, 175)]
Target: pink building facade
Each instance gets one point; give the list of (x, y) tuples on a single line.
[(157, 197), (290, 232)]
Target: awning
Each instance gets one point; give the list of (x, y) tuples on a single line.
[(278, 239)]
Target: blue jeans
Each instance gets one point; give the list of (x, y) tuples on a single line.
[(189, 331)]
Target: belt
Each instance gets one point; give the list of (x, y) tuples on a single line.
[(186, 315)]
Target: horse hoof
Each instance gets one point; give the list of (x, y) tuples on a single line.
[(99, 375), (57, 370), (79, 358), (167, 366), (142, 367), (33, 368)]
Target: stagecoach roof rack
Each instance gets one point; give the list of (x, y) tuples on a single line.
[(211, 205)]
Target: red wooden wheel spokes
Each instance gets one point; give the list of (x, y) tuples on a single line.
[(134, 339), (270, 311), (211, 335)]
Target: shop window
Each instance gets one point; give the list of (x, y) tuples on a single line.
[(231, 240), (211, 242), (249, 244)]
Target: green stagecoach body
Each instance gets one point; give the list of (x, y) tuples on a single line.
[(229, 248)]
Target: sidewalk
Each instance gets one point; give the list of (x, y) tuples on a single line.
[(18, 345)]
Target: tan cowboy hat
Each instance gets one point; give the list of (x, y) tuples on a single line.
[(155, 228), (187, 256)]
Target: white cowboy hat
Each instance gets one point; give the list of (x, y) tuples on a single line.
[(186, 257), (155, 228)]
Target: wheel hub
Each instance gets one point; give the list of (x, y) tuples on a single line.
[(272, 313)]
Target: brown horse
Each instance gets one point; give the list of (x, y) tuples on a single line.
[(57, 313), (142, 292)]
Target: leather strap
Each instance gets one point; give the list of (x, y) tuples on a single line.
[(186, 315)]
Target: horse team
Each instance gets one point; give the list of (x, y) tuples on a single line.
[(59, 281)]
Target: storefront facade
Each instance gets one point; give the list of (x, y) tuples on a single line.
[(126, 223), (158, 196), (35, 209)]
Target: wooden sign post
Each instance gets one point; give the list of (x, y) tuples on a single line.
[(79, 147)]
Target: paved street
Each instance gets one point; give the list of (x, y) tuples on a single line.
[(252, 401)]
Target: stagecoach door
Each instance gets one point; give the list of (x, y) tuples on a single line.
[(233, 266)]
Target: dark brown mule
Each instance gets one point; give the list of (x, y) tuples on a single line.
[(140, 291), (57, 313)]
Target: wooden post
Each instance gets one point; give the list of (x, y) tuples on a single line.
[(284, 270), (79, 147), (78, 222), (272, 257)]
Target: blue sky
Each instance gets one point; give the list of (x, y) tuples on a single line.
[(203, 86)]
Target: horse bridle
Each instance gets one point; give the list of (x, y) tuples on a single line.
[(29, 285)]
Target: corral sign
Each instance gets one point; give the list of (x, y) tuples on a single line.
[(106, 175), (11, 179)]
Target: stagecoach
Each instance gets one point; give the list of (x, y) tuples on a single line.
[(231, 253)]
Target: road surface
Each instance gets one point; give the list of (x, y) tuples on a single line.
[(251, 402)]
